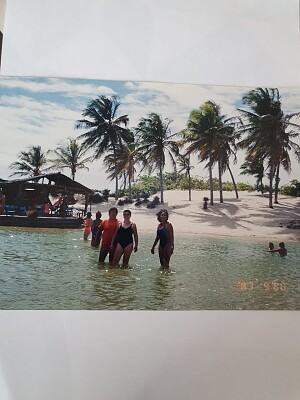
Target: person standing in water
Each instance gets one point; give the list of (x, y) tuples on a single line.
[(96, 235), (123, 237), (165, 236), (108, 227), (87, 225)]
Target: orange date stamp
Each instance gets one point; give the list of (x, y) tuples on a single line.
[(274, 286)]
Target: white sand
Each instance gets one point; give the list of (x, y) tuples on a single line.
[(246, 217)]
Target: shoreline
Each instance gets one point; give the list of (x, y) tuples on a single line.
[(248, 217)]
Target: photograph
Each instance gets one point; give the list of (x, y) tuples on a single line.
[(134, 195)]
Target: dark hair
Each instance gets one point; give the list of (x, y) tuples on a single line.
[(113, 209), (127, 211), (163, 210), (88, 214), (98, 214), (281, 244)]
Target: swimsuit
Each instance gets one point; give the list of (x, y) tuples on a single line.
[(163, 236), (124, 236)]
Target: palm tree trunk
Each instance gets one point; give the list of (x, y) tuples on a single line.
[(117, 188), (161, 184), (129, 187), (190, 185), (211, 184), (233, 181), (220, 182), (276, 185), (271, 185)]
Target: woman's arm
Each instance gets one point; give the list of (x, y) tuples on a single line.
[(136, 237), (113, 240), (171, 235), (154, 244)]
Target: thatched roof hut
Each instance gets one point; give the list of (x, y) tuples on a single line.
[(37, 189)]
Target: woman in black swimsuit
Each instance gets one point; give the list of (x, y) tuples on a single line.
[(165, 236), (123, 239)]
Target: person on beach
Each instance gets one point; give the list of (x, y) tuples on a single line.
[(87, 225), (108, 227), (165, 236), (96, 235), (123, 239), (281, 249)]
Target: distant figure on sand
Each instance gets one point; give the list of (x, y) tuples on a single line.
[(96, 234), (165, 236), (108, 227), (123, 239), (87, 226), (281, 249)]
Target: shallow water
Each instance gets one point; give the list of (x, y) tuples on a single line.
[(56, 269)]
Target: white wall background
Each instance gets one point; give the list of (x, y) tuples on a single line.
[(152, 355)]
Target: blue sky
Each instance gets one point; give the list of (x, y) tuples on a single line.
[(43, 111)]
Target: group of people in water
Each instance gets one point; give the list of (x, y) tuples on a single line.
[(121, 238), (281, 249)]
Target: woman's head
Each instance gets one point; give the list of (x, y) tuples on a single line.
[(88, 214), (113, 211), (98, 215), (162, 215), (126, 213), (281, 245)]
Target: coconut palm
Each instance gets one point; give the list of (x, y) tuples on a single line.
[(127, 156), (184, 163), (70, 156), (155, 143), (104, 128), (255, 168), (211, 136), (31, 162), (268, 132)]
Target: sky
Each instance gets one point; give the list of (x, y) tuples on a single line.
[(43, 111)]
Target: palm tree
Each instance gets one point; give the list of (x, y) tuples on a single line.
[(255, 168), (155, 139), (211, 136), (184, 163), (127, 157), (70, 156), (104, 128), (31, 162), (268, 132)]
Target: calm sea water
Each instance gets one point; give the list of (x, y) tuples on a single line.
[(56, 269)]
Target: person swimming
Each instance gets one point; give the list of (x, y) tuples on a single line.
[(88, 222), (281, 249)]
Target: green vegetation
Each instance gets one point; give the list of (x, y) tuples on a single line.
[(293, 189), (150, 185)]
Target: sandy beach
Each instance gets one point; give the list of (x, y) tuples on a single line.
[(246, 217)]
